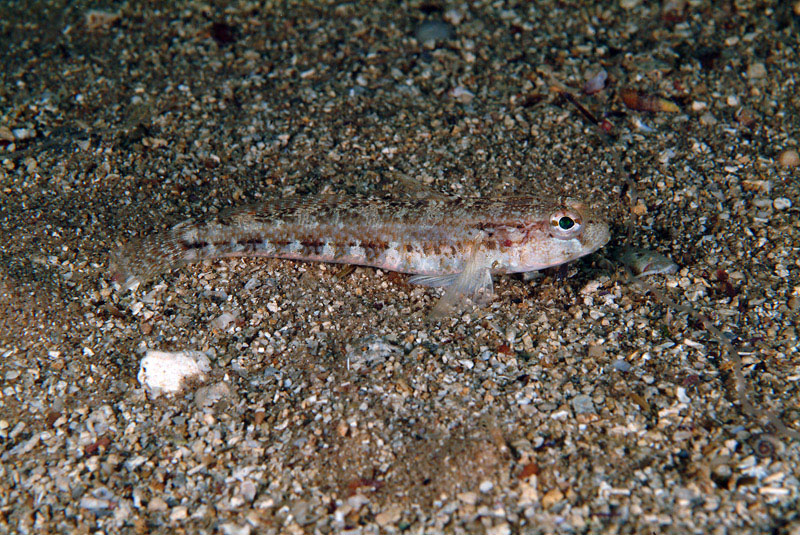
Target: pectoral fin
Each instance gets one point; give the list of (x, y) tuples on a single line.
[(471, 286), (434, 281)]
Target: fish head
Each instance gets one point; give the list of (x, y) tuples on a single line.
[(564, 231)]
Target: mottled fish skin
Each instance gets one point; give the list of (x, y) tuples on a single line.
[(434, 237)]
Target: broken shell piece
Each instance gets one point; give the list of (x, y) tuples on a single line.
[(644, 262), (100, 20), (596, 83), (639, 101), (462, 95)]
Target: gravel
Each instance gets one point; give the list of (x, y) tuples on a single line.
[(575, 402)]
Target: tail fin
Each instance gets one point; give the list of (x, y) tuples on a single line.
[(143, 259)]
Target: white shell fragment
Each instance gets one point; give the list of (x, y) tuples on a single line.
[(644, 262), (162, 371)]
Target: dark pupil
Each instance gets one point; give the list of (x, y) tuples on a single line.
[(566, 223)]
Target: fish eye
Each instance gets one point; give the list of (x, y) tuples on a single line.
[(566, 222)]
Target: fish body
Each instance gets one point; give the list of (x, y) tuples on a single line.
[(440, 239)]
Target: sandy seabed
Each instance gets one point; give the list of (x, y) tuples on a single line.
[(575, 403)]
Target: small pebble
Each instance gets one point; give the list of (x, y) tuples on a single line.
[(223, 321), (756, 71), (134, 463), (621, 365), (470, 498), (499, 529), (234, 529), (462, 95), (642, 126), (640, 208), (789, 158), (156, 504), (210, 395), (486, 486), (23, 133), (708, 119), (764, 186), (431, 31), (178, 513), (389, 516), (746, 117), (454, 16), (596, 351), (582, 404), (248, 490), (666, 156), (12, 375), (95, 505), (551, 498)]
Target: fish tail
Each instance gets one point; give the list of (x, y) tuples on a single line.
[(141, 260)]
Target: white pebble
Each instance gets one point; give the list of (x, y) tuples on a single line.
[(233, 529), (453, 16), (162, 371), (95, 504), (12, 375), (782, 203), (23, 133), (223, 321)]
